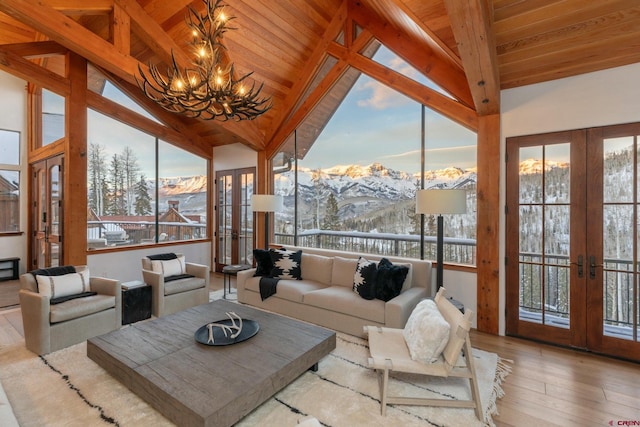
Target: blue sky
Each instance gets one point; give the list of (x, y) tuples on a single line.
[(378, 124)]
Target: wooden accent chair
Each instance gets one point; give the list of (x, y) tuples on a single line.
[(389, 352)]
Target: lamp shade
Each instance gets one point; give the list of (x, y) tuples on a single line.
[(266, 203), (438, 202)]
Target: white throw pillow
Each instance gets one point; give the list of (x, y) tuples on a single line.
[(62, 286), (426, 332), (171, 267)]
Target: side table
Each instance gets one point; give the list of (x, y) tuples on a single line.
[(228, 271), (136, 302)]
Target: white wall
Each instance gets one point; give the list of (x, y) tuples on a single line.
[(126, 265), (13, 116), (596, 99)]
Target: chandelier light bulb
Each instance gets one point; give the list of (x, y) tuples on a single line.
[(210, 90)]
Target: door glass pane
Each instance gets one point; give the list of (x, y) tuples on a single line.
[(530, 176), (618, 241), (556, 173), (544, 195), (225, 185), (245, 249), (54, 210)]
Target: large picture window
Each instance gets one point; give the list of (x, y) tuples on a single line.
[(141, 190), (349, 179)]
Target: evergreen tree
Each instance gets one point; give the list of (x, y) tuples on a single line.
[(97, 174), (130, 171), (117, 204), (331, 219), (143, 200)]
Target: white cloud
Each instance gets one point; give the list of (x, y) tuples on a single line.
[(382, 97)]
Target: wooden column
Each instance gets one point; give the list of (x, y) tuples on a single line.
[(488, 224), (75, 164)]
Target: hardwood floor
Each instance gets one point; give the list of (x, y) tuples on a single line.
[(548, 386), (552, 386)]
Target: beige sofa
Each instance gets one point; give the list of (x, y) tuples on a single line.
[(48, 327), (325, 294), (172, 296)]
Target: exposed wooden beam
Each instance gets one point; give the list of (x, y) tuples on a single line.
[(117, 112), (307, 106), (306, 76), (433, 63), (488, 225), (74, 36), (26, 70), (75, 164), (81, 7), (434, 41), (471, 25), (154, 36), (446, 106), (180, 131), (120, 30), (36, 49)]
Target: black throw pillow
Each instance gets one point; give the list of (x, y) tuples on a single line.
[(364, 279), (286, 264), (390, 279), (264, 265), (54, 271), (163, 257)]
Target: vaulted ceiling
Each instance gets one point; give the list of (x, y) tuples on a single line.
[(471, 48)]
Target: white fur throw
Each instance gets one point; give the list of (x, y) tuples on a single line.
[(426, 332)]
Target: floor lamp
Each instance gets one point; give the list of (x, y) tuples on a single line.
[(439, 202), (266, 203)]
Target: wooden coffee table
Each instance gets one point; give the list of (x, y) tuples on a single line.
[(199, 385)]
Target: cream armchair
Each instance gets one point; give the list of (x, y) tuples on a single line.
[(49, 327), (177, 285)]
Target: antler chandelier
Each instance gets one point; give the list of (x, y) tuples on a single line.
[(209, 90)]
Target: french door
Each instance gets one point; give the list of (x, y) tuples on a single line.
[(234, 219), (573, 261), (47, 212)]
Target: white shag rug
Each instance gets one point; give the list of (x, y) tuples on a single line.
[(66, 388)]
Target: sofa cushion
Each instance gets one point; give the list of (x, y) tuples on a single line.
[(286, 264), (264, 265), (183, 285), (342, 299), (170, 267), (390, 280), (317, 268), (291, 290), (426, 332), (342, 271), (80, 307), (61, 286), (364, 278)]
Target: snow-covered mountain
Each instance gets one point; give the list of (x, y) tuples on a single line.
[(372, 181)]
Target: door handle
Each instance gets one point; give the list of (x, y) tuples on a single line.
[(592, 267), (580, 265)]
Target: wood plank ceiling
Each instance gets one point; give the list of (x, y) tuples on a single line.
[(472, 48)]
